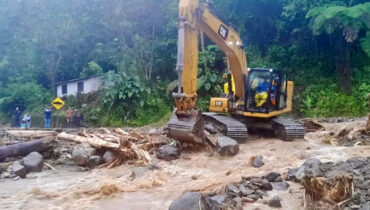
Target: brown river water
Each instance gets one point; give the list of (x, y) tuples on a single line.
[(69, 188)]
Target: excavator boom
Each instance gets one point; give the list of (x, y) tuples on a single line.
[(186, 123)]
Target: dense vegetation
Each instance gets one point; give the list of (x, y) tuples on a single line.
[(324, 46)]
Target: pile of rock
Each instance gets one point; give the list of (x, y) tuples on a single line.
[(249, 190), (358, 168), (85, 155), (254, 188), (33, 162)]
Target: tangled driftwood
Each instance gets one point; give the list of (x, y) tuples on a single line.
[(312, 125), (127, 146), (334, 191)]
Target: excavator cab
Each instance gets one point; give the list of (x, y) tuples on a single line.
[(266, 90)]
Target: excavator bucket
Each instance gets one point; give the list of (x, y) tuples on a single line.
[(187, 129)]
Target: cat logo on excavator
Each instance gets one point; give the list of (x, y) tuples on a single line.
[(223, 32)]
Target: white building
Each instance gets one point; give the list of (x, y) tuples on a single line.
[(82, 86)]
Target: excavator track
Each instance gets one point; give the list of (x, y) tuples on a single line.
[(229, 126), (287, 129)]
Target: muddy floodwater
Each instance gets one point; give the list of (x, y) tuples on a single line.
[(72, 188)]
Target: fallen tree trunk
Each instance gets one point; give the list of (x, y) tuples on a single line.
[(93, 141), (24, 148), (31, 134), (125, 149)]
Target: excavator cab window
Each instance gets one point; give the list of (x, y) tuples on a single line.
[(266, 90)]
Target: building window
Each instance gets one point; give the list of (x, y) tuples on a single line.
[(80, 87), (64, 89)]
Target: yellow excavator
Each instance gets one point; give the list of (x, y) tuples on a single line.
[(254, 97)]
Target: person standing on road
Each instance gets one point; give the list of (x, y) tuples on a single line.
[(28, 121), (79, 118), (23, 124), (17, 117), (69, 115), (75, 119), (47, 113)]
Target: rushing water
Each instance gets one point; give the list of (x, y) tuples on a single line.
[(68, 188)]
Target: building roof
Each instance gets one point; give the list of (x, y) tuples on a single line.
[(77, 80)]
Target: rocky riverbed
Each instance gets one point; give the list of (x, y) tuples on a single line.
[(157, 185)]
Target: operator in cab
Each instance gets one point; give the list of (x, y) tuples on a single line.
[(262, 93)]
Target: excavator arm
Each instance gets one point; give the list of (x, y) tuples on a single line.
[(194, 18), (186, 123)]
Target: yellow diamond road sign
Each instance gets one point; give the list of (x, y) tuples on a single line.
[(58, 103)]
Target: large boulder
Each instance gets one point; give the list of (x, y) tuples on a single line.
[(266, 185), (233, 191), (220, 199), (19, 169), (168, 152), (274, 202), (108, 156), (280, 186), (33, 162), (291, 174), (258, 161), (139, 172), (227, 146), (210, 128), (310, 168), (94, 161), (271, 176), (81, 153), (193, 201)]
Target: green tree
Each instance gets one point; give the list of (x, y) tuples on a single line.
[(348, 22), (92, 69)]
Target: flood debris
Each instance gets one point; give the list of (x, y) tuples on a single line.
[(332, 190), (31, 134), (312, 125), (348, 136), (24, 148), (126, 146), (349, 133), (342, 185)]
